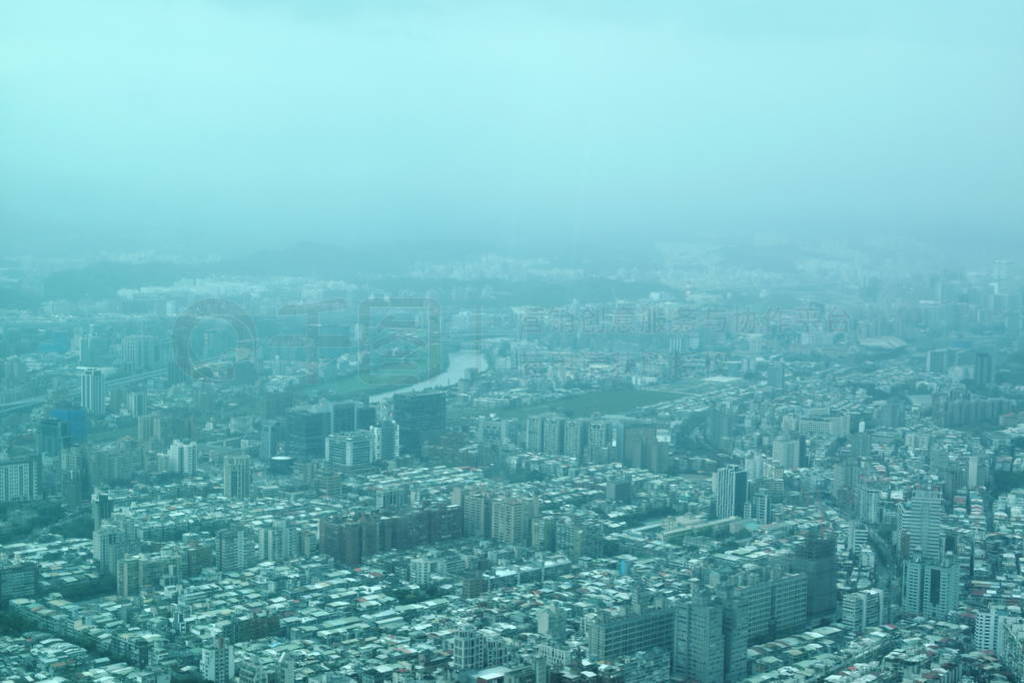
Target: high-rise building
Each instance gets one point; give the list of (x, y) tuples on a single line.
[(139, 352), (786, 453), (920, 525), (983, 369), (729, 485), (92, 391), (476, 511), (1012, 654), (860, 445), (576, 439), (719, 425), (74, 475), (893, 413), (474, 649), (182, 457), (710, 640), (940, 360), (535, 433), (18, 580), (645, 624), (129, 576), (349, 450), (551, 623), (217, 661), (237, 476), (305, 430), (90, 347), (510, 520), (990, 629), (815, 558), (52, 437), (386, 442), (761, 508), (109, 544), (102, 508), (366, 416), (20, 479), (236, 549), (554, 435), (864, 608), (420, 417), (137, 404), (492, 431), (640, 446), (270, 439), (774, 603), (343, 416), (931, 588), (278, 541)]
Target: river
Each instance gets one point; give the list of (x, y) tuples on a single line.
[(459, 362)]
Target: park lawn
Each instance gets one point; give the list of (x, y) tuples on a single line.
[(606, 402)]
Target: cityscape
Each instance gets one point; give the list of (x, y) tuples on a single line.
[(511, 342), (796, 478)]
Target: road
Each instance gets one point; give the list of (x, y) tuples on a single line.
[(29, 403)]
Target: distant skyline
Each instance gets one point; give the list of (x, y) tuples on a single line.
[(226, 127)]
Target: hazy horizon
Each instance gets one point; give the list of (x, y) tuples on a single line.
[(229, 127)]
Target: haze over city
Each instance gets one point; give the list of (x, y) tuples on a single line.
[(218, 126), (511, 342)]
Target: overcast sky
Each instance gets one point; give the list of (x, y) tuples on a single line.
[(195, 125)]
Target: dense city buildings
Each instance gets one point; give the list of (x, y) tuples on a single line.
[(666, 494), (511, 342)]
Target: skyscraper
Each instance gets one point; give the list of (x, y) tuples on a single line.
[(420, 416), (786, 453), (236, 549), (864, 608), (270, 439), (931, 588), (74, 475), (137, 403), (729, 485), (237, 476), (386, 442), (982, 369), (774, 603), (640, 446), (278, 542), (366, 416), (51, 437), (182, 457), (815, 557), (645, 624), (920, 524), (710, 640), (139, 352), (576, 438), (477, 513), (551, 622), (217, 662), (92, 391), (535, 433), (109, 544), (510, 520), (19, 479), (554, 435), (102, 508), (349, 450), (343, 416), (305, 430)]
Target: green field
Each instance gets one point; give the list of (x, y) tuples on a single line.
[(607, 402)]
